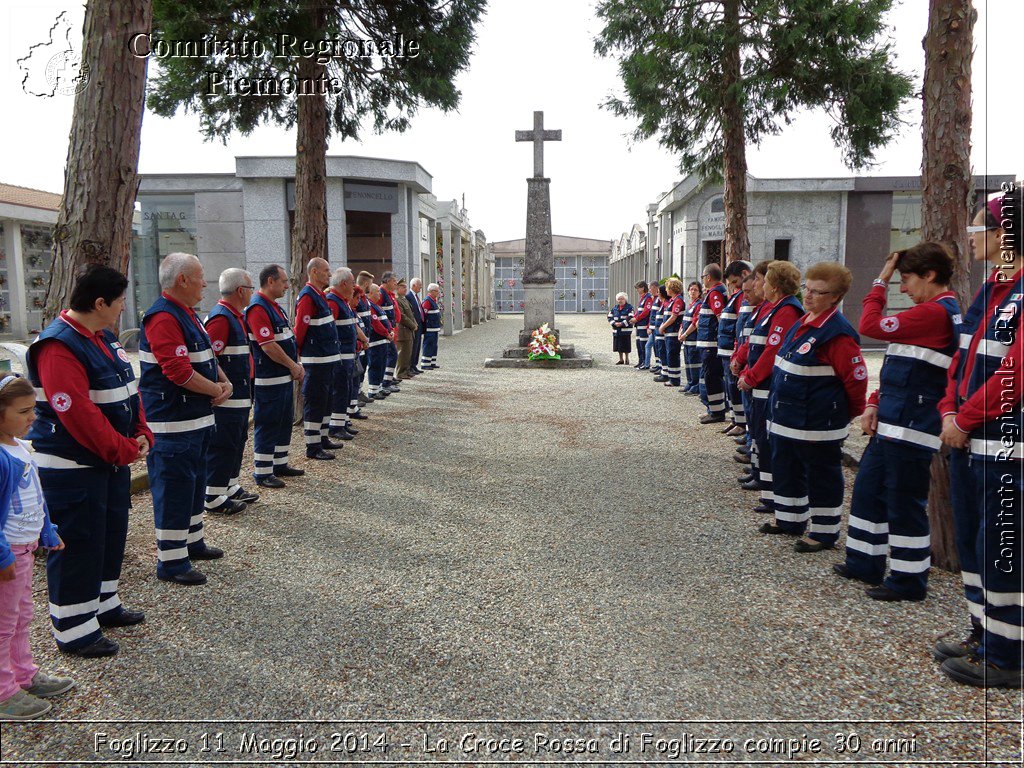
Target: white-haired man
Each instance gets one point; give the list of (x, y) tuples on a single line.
[(318, 352), (432, 326), (181, 383), (388, 286), (350, 337), (416, 303), (229, 338)]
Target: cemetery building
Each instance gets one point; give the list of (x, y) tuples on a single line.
[(381, 215), (27, 217), (855, 220), (581, 274)]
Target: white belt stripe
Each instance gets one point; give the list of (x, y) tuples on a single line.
[(272, 381), (924, 354), (789, 366), (347, 356), (327, 319), (345, 321), (809, 435), (242, 402), (998, 449), (241, 350), (114, 394), (908, 435), (46, 461), (318, 359), (755, 338), (195, 357), (169, 427)]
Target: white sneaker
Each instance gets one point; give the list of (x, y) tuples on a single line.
[(23, 706), (45, 686)]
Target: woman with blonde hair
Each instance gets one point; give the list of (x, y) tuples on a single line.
[(819, 384)]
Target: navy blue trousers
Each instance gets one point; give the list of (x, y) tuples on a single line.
[(711, 373), (344, 393), (807, 487), (691, 359), (224, 459), (670, 364), (734, 398), (272, 416), (888, 516), (90, 509), (641, 345), (317, 399), (430, 346), (390, 363), (377, 357), (757, 425), (987, 516), (177, 480), (417, 346)]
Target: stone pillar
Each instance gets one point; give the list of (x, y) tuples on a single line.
[(16, 291), (457, 304), (400, 235), (449, 286), (539, 270), (337, 229)]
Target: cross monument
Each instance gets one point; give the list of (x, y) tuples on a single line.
[(539, 270)]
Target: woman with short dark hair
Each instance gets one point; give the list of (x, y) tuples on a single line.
[(888, 514), (90, 426)]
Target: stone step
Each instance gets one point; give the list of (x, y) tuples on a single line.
[(583, 361), (567, 350)]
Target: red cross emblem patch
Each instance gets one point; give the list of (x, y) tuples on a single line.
[(218, 345), (123, 355), (265, 332), (890, 324), (61, 402), (181, 351)]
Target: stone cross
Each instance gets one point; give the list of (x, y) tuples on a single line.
[(538, 136)]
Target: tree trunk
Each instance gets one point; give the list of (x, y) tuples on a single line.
[(309, 232), (94, 224), (737, 242), (947, 189)]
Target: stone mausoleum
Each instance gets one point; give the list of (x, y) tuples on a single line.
[(855, 220), (381, 215), (581, 274)]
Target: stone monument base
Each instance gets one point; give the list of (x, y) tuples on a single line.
[(518, 357)]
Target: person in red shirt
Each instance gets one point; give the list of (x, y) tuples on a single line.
[(983, 422), (90, 426)]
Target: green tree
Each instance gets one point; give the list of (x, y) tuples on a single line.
[(259, 85), (708, 76), (94, 224)]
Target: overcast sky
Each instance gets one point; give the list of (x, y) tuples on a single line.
[(530, 55)]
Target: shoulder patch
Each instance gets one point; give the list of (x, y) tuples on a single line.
[(61, 402), (181, 351), (804, 348), (218, 345), (774, 339), (860, 373), (890, 324), (265, 332), (123, 355)]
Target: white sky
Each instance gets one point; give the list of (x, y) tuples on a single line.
[(530, 54)]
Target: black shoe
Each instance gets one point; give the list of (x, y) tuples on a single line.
[(190, 578), (951, 649), (123, 618), (659, 377), (842, 569), (102, 647), (744, 450), (620, 363), (764, 509), (360, 416), (286, 471), (711, 419), (382, 394), (393, 388), (811, 546), (743, 458), (773, 530), (416, 371), (671, 384), (338, 434), (974, 670), (753, 485), (320, 455), (741, 440), (229, 507), (363, 399), (642, 368), (206, 553), (326, 444), (349, 431), (269, 481), (246, 496), (749, 477), (886, 595)]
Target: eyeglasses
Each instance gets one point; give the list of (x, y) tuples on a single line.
[(976, 228), (814, 291)]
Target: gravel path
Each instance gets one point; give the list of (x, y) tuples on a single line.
[(556, 545)]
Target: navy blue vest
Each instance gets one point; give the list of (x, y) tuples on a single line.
[(641, 327), (433, 314), (235, 358), (375, 338), (363, 313), (707, 321), (268, 372), (912, 382), (623, 314), (728, 325), (758, 340), (320, 344), (170, 408), (1001, 438), (657, 319), (808, 401), (678, 303), (691, 340), (345, 326), (745, 321), (387, 305), (112, 387)]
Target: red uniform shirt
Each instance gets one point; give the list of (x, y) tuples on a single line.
[(1005, 388), (782, 321), (60, 371), (844, 354), (165, 336), (924, 325), (218, 328), (714, 301), (259, 321), (304, 310)]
